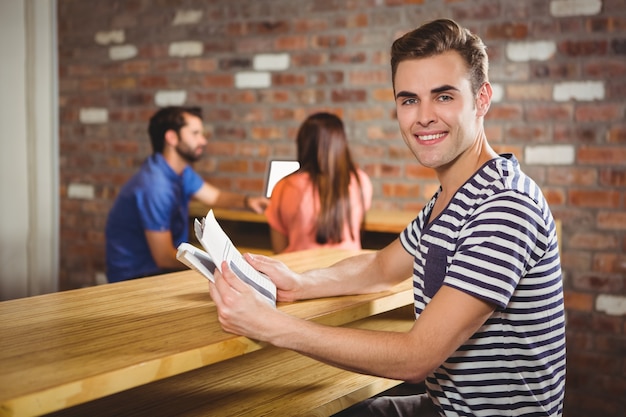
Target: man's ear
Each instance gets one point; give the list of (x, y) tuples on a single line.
[(483, 99), (171, 138)]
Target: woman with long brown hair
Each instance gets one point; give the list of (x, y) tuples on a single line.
[(324, 202)]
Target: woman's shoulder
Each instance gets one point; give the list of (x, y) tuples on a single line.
[(297, 180)]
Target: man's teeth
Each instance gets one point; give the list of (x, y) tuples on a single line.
[(431, 137)]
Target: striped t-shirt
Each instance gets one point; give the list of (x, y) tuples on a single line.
[(496, 240)]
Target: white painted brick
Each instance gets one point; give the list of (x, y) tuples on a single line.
[(561, 8), (81, 191), (93, 115), (187, 17), (170, 98), (121, 52), (579, 90), (186, 48), (249, 79), (112, 36), (528, 51), (614, 305), (271, 62), (498, 93), (549, 155)]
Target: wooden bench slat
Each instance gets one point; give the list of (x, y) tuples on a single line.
[(271, 381)]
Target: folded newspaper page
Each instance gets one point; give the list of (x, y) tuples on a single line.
[(219, 248)]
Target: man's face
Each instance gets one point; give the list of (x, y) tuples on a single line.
[(191, 140), (437, 112)]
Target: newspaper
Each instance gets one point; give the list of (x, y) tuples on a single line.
[(219, 248)]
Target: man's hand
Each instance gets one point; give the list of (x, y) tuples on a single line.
[(241, 310), (257, 204), (286, 281)]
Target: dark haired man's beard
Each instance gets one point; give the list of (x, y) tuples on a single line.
[(188, 154)]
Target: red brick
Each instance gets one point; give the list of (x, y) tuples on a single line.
[(310, 25), (233, 166), (599, 112), (613, 177), (597, 284), (554, 196), (153, 81), (327, 77), (366, 114), (93, 84), (601, 155), (569, 133), (528, 133), (268, 27), (383, 133), (554, 70), (267, 133), (401, 153), (594, 198), (218, 81), (612, 263), (509, 31), (550, 112), (328, 41), (288, 79), (123, 83), (351, 96), (383, 94), (578, 48), (608, 67), (400, 190), (504, 112), (291, 43), (420, 172), (617, 134), (612, 220), (282, 114), (578, 301), (574, 176), (135, 67), (592, 241), (370, 77), (202, 65), (402, 2)]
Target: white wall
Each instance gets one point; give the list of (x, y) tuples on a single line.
[(29, 214)]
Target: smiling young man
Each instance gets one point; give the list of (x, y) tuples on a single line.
[(489, 336), (149, 218)]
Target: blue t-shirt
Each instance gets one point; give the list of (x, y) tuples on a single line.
[(156, 199)]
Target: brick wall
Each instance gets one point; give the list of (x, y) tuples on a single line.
[(258, 68)]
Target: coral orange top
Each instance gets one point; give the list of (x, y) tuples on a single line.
[(293, 210)]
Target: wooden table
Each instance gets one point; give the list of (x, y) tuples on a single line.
[(386, 221), (250, 231), (62, 349), (268, 382)]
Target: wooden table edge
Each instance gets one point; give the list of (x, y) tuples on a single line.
[(53, 399)]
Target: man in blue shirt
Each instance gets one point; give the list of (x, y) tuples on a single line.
[(149, 218)]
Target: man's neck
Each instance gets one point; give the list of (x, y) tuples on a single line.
[(174, 160)]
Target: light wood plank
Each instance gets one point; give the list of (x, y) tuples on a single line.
[(270, 382), (62, 349)]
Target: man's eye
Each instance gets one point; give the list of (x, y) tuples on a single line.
[(409, 101), (444, 98)]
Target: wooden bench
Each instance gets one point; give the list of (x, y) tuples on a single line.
[(271, 381)]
